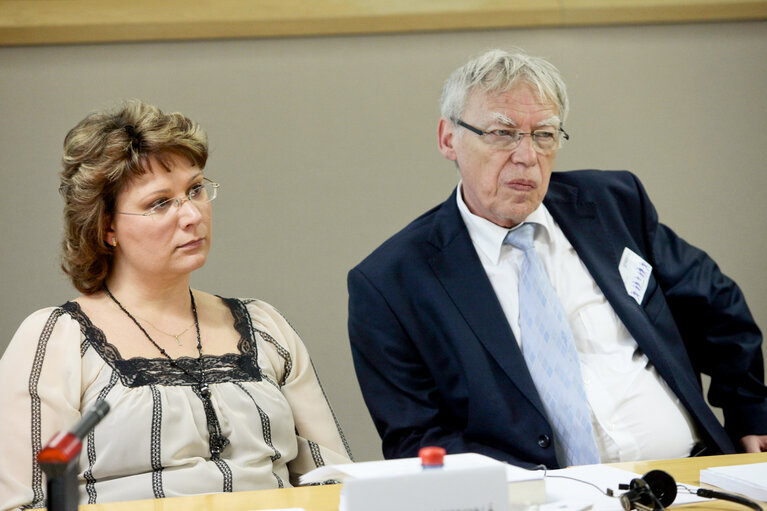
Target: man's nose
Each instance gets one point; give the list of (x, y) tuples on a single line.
[(525, 151)]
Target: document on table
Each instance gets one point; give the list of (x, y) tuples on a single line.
[(749, 480)]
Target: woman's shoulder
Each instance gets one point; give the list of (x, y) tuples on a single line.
[(262, 316), (47, 315), (252, 306), (265, 313), (43, 327), (248, 313)]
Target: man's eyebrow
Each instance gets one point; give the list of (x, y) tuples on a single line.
[(503, 119), (554, 120)]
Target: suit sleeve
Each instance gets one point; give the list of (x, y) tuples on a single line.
[(720, 335), (401, 395)]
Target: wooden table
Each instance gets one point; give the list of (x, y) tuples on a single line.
[(325, 498), (687, 470)]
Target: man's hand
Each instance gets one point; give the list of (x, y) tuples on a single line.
[(754, 443)]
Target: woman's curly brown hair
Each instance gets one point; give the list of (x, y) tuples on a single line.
[(102, 153)]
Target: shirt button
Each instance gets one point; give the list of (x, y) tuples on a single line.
[(544, 441)]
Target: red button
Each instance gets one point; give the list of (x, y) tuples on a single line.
[(432, 456)]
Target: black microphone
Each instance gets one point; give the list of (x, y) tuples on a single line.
[(66, 445), (92, 417), (58, 459)]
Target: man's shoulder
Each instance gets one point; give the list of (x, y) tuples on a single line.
[(407, 244), (593, 177), (595, 185)]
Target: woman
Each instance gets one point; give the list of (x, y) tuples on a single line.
[(207, 394)]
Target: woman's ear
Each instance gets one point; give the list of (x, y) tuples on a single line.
[(110, 236)]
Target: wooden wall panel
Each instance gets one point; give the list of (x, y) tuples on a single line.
[(31, 22)]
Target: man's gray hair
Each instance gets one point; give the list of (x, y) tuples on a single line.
[(499, 71)]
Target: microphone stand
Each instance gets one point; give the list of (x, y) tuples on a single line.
[(58, 460)]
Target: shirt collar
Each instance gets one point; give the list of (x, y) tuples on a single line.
[(488, 237)]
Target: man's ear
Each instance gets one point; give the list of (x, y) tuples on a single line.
[(446, 138)]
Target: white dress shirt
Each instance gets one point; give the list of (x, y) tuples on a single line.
[(634, 414)]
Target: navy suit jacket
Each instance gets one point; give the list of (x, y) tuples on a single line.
[(437, 361)]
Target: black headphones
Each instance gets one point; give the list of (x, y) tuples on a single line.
[(652, 492), (656, 490)]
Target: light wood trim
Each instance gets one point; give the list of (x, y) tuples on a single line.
[(24, 22), (310, 498), (603, 12)]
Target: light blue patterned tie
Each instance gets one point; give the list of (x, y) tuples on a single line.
[(549, 350)]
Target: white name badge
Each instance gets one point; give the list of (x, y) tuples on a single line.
[(635, 273)]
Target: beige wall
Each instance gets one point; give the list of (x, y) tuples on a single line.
[(326, 146)]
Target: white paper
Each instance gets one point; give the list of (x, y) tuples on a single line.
[(570, 505), (635, 273), (574, 492), (749, 480), (516, 474)]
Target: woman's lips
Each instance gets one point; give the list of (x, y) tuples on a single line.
[(192, 244)]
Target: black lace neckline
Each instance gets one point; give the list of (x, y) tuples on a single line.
[(140, 371)]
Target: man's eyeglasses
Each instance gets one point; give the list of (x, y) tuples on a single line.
[(545, 141), (200, 193)]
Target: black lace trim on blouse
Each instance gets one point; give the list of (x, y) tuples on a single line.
[(139, 371)]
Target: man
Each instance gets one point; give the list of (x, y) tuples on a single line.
[(584, 343)]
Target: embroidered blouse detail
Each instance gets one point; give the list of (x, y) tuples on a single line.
[(267, 422)]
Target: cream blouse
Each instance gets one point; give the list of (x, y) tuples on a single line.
[(266, 400)]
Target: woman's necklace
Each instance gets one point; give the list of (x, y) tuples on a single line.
[(216, 439), (175, 336)]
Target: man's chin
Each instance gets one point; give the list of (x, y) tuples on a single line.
[(512, 217)]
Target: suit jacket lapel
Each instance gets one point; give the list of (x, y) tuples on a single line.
[(457, 266), (583, 227), (582, 224)]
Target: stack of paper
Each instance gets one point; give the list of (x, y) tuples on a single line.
[(749, 480)]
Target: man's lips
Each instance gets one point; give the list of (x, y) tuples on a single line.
[(522, 185)]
